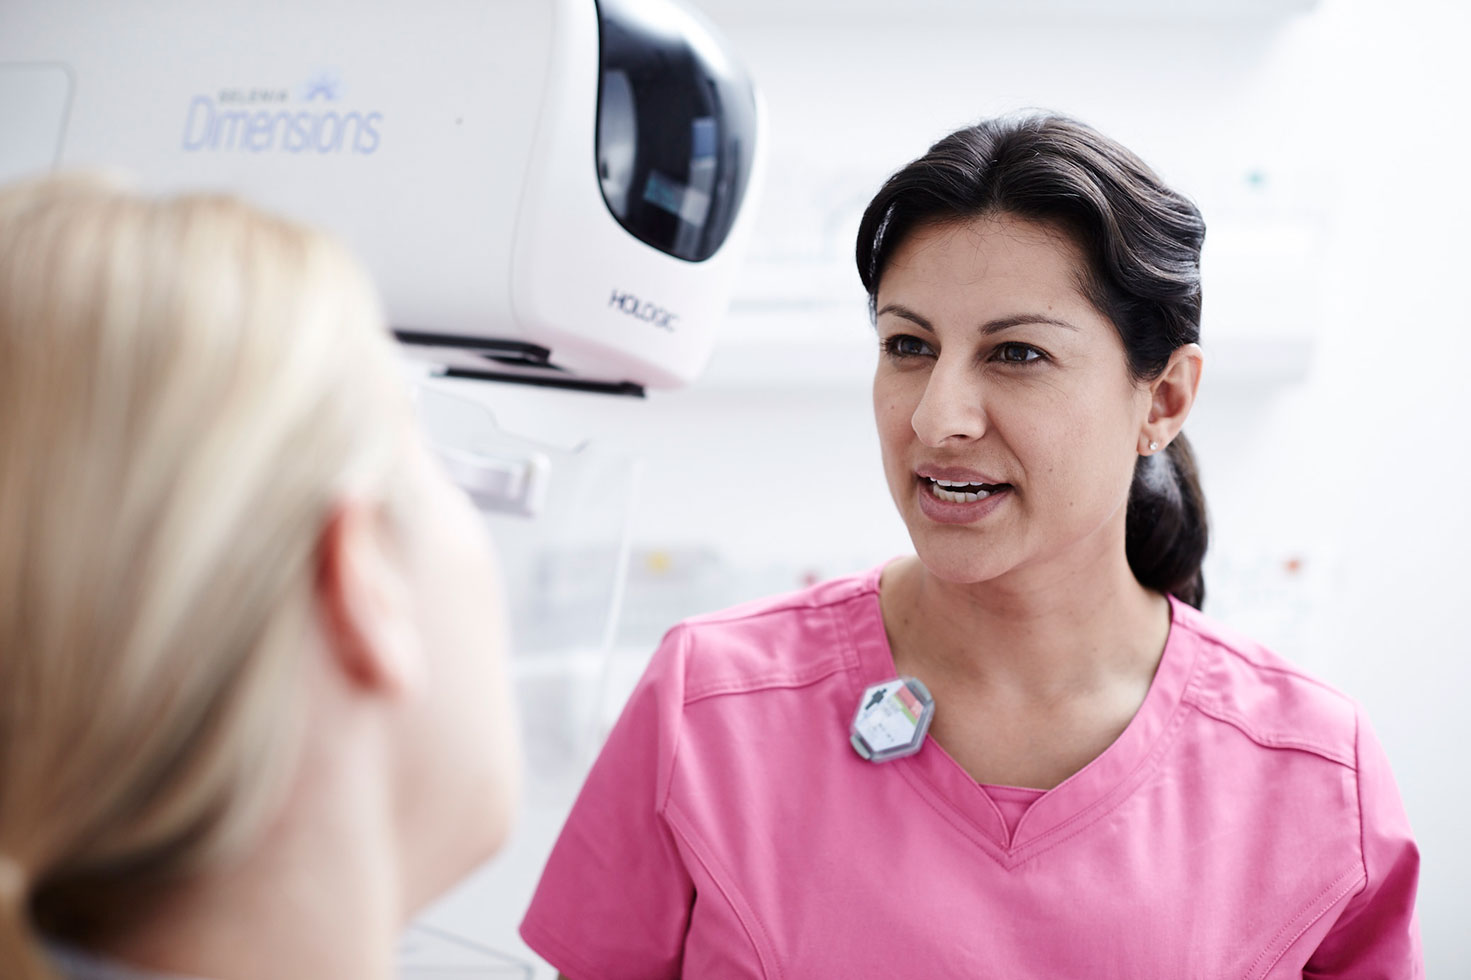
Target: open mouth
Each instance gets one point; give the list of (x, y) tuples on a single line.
[(961, 493)]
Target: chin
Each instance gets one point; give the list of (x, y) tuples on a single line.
[(960, 560), (466, 837), (500, 816), (488, 819)]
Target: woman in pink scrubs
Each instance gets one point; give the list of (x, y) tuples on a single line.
[(1113, 785)]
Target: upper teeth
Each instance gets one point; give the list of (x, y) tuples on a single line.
[(944, 490)]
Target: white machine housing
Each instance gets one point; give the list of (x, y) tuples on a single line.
[(554, 191)]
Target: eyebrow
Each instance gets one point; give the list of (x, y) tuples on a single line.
[(989, 327)]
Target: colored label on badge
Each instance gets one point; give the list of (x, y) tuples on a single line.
[(909, 703)]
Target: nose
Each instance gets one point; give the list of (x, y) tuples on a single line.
[(951, 409)]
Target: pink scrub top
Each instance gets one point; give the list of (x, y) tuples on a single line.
[(1244, 825)]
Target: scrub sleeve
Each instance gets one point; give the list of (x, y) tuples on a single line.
[(1377, 935), (616, 880)]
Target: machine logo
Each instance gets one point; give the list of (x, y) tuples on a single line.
[(267, 120), (630, 305), (322, 85)]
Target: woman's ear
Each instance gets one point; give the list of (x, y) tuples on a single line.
[(1171, 396), (366, 602)]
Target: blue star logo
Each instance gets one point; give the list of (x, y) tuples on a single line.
[(324, 85)]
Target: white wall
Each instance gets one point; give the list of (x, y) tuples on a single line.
[(1333, 425)]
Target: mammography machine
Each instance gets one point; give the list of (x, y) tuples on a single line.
[(549, 192), (555, 192)]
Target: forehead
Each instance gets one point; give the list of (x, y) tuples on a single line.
[(992, 264)]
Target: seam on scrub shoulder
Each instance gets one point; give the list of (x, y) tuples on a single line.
[(725, 883), (782, 604), (1359, 792), (1318, 907), (667, 775), (1286, 669), (1213, 709), (767, 682), (851, 656)]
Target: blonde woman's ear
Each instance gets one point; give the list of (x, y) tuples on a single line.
[(366, 604)]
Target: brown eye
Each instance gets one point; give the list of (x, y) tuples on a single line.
[(905, 345), (1018, 353)]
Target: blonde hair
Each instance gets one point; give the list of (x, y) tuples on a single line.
[(186, 386)]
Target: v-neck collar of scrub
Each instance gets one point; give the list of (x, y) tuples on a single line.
[(1086, 796)]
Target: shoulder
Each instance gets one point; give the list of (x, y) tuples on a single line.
[(779, 642), (1241, 683)]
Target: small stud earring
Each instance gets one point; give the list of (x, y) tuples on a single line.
[(1153, 446)]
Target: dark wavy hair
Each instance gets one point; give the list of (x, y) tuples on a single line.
[(1141, 241)]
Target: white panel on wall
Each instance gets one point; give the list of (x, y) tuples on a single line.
[(33, 107)]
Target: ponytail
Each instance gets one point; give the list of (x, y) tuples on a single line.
[(1165, 533)]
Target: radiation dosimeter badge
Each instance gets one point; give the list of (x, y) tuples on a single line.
[(892, 720)]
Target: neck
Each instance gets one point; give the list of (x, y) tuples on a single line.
[(317, 897), (1038, 634)]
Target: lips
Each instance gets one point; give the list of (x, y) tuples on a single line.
[(957, 474), (958, 495)]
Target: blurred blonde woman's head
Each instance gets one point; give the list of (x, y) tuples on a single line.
[(188, 391)]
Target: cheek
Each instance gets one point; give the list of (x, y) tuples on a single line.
[(462, 609), (893, 412), (465, 627), (467, 575), (1087, 463)]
